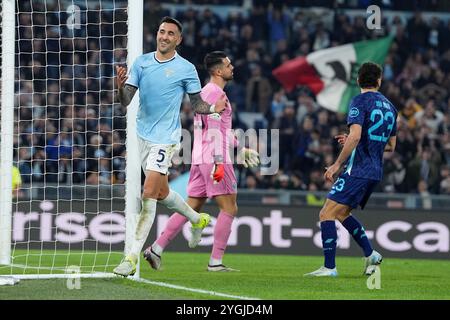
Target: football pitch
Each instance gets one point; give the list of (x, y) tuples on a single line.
[(270, 277)]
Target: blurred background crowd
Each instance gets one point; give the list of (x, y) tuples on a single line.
[(73, 129)]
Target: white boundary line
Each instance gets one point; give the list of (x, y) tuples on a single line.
[(111, 275), (63, 276), (174, 286)]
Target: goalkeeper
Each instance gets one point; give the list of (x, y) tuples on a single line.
[(163, 78), (212, 174)]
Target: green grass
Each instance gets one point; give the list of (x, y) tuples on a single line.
[(262, 276)]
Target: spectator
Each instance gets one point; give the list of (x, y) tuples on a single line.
[(408, 113), (24, 164), (70, 125), (430, 117), (425, 167), (406, 146), (312, 199), (288, 128), (16, 183), (283, 182), (425, 199), (306, 107), (420, 30), (395, 172), (259, 91), (305, 147), (250, 183), (278, 22), (321, 38), (279, 102), (258, 21), (445, 180)]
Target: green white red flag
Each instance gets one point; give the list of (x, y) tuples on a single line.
[(331, 73)]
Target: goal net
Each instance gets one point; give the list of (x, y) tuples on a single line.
[(66, 150)]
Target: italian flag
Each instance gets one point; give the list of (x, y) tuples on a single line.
[(331, 73)]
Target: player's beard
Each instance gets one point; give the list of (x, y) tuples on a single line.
[(168, 48), (229, 78)]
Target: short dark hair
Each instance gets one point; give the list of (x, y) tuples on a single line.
[(173, 21), (213, 59), (368, 75)]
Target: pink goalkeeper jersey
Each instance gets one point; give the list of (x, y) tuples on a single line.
[(213, 136)]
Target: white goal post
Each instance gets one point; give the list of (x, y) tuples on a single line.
[(76, 148), (7, 129)]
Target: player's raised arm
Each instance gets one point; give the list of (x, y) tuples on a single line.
[(126, 91), (390, 146), (203, 107)]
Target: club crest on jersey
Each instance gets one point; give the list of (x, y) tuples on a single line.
[(354, 112), (169, 72)]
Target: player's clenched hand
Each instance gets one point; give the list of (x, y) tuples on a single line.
[(121, 76), (331, 171), (221, 104), (341, 138), (218, 172)]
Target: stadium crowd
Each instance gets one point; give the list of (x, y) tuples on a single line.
[(73, 130)]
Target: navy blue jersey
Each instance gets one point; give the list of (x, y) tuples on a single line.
[(378, 118)]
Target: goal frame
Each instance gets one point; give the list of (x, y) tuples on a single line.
[(133, 166)]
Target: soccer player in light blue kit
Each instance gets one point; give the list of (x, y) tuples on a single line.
[(162, 77), (372, 120)]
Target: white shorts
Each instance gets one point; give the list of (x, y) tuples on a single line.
[(156, 157)]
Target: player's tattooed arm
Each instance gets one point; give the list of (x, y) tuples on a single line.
[(198, 104), (203, 107), (126, 94)]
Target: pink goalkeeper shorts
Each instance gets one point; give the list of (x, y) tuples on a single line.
[(202, 185)]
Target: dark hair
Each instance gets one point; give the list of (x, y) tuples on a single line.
[(368, 75), (213, 59), (173, 21)]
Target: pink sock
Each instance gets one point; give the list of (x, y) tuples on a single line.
[(222, 232), (173, 227)]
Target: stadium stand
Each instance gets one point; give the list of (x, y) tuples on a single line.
[(416, 80)]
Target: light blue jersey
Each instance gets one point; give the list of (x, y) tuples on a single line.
[(162, 85)]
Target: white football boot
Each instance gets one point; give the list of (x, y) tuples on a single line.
[(322, 272), (220, 268), (371, 262)]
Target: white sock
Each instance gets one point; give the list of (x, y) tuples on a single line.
[(174, 202), (214, 262), (145, 222), (157, 249)]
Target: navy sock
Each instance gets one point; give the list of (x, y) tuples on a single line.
[(329, 237), (357, 231)]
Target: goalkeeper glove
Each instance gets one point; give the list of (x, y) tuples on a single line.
[(251, 157), (218, 172)]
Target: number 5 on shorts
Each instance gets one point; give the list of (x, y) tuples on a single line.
[(162, 154)]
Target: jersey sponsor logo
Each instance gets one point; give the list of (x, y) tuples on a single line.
[(354, 112)]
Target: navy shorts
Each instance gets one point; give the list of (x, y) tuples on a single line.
[(352, 191)]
